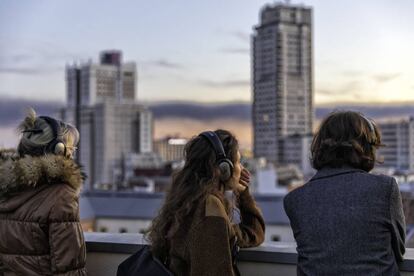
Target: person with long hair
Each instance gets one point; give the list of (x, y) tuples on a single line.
[(347, 221), (194, 233), (40, 232)]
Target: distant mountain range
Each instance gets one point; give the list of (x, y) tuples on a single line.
[(12, 110)]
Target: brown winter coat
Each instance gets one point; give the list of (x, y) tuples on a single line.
[(204, 245), (40, 233)]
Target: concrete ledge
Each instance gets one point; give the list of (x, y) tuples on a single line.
[(270, 253)]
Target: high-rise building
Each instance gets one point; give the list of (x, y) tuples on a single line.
[(110, 80), (282, 72), (101, 103), (109, 132), (398, 138)]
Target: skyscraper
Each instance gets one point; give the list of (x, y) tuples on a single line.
[(110, 80), (109, 132), (282, 72), (101, 103)]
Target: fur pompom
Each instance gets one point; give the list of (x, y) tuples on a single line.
[(29, 120)]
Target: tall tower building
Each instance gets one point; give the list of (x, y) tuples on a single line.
[(101, 103), (282, 72), (109, 80)]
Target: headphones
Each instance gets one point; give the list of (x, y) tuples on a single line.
[(224, 164), (55, 146), (372, 129)]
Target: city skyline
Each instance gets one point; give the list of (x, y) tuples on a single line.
[(361, 49)]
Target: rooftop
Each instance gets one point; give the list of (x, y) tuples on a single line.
[(133, 205)]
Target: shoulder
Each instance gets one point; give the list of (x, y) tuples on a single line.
[(214, 207), (65, 203), (382, 182), (292, 196)]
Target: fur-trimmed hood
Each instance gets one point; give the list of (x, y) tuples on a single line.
[(21, 173)]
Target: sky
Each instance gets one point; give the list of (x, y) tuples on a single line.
[(200, 50)]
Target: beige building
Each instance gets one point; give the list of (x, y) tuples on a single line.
[(109, 132), (109, 80), (282, 72), (170, 149), (101, 104)]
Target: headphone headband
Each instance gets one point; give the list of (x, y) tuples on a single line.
[(216, 143), (371, 127), (53, 124), (55, 146)]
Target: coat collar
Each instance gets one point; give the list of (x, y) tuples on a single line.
[(19, 173), (326, 172)]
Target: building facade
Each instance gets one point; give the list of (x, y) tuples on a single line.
[(101, 103), (170, 149), (282, 72), (295, 149), (109, 80), (398, 136), (110, 131)]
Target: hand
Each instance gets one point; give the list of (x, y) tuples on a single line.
[(244, 180)]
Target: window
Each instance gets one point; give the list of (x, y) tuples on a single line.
[(275, 238), (123, 230), (103, 229)]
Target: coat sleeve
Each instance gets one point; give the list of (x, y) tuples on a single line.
[(397, 222), (210, 252), (67, 244), (251, 229)]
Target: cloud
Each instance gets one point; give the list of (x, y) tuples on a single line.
[(347, 89), (326, 92), (240, 35), (15, 58), (379, 78), (383, 78), (13, 110), (34, 60), (30, 70), (18, 71), (164, 63), (240, 111), (235, 50), (353, 73), (225, 84)]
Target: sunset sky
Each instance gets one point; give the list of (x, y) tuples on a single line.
[(200, 50)]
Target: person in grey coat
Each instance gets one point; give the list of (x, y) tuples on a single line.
[(345, 220)]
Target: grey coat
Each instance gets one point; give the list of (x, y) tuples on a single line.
[(347, 222)]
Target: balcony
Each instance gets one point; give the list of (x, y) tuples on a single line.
[(106, 251)]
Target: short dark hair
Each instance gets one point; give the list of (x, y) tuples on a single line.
[(346, 138)]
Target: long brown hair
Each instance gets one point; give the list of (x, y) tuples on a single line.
[(191, 185), (346, 138)]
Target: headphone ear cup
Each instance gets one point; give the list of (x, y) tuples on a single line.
[(226, 170), (59, 149)]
